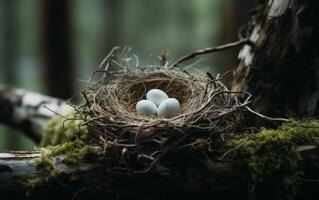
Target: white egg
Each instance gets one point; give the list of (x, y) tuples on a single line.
[(146, 107), (168, 108), (156, 96)]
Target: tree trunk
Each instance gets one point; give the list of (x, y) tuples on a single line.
[(281, 71), (57, 48), (10, 29), (112, 31)]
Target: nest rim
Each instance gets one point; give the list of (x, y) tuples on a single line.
[(203, 102)]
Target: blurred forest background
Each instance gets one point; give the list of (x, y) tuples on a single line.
[(48, 45)]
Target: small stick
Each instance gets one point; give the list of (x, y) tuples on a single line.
[(94, 72), (86, 99), (226, 74), (54, 111), (211, 50), (265, 117), (229, 151), (108, 56)]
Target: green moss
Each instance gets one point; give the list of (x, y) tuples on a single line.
[(270, 158), (59, 130), (63, 140), (47, 168), (64, 145), (73, 152), (69, 153)]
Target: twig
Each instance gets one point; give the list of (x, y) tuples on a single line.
[(104, 61), (226, 74), (211, 50), (93, 73), (265, 117), (229, 151), (163, 58), (207, 84), (86, 99), (108, 56), (53, 111)]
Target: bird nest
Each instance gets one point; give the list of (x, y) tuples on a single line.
[(208, 111)]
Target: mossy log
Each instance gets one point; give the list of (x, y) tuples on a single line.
[(281, 164), (214, 178)]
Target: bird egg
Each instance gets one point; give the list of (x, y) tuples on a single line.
[(157, 96), (168, 108), (146, 107)]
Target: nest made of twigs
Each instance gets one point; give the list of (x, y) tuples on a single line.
[(207, 108)]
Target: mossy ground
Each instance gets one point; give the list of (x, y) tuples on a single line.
[(271, 160)]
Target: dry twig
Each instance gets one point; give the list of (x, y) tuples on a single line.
[(211, 50)]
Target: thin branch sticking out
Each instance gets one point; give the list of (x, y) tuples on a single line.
[(212, 49), (266, 117)]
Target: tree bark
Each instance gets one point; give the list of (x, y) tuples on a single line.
[(281, 71)]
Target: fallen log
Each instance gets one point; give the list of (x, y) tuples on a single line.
[(80, 180), (28, 111)]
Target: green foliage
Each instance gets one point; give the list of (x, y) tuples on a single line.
[(59, 130), (270, 158)]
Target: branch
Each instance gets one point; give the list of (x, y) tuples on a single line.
[(28, 111), (266, 117), (212, 50)]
